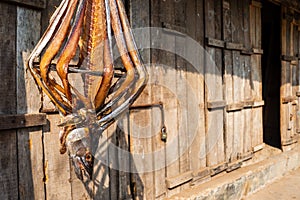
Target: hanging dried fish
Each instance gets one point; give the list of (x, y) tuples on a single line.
[(84, 29)]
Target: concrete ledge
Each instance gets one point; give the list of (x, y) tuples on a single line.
[(246, 180)]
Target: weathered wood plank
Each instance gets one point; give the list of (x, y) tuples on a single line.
[(141, 119), (295, 5), (98, 188), (156, 72), (195, 78), (56, 166), (8, 26), (215, 43), (237, 76), (213, 80), (182, 89), (34, 3), (228, 83), (9, 165), (180, 179), (21, 121), (30, 163), (168, 62), (28, 33), (285, 89), (256, 76), (8, 139)]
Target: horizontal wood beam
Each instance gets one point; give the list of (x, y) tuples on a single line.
[(234, 107), (234, 46), (216, 104), (288, 99), (41, 4), (218, 168), (295, 5), (178, 180), (289, 141), (22, 121)]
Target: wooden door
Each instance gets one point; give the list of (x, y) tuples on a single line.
[(289, 83)]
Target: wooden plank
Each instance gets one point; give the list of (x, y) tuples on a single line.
[(28, 34), (258, 147), (200, 175), (234, 46), (156, 72), (258, 104), (56, 166), (34, 3), (288, 58), (215, 43), (294, 83), (143, 118), (256, 81), (256, 4), (234, 107), (297, 49), (8, 139), (213, 79), (234, 165), (9, 166), (182, 90), (285, 89), (98, 188), (30, 161), (216, 104), (257, 51), (178, 180), (294, 5), (237, 78), (258, 26), (257, 137), (217, 169), (7, 56), (30, 142), (288, 99), (167, 12), (22, 121), (195, 78), (228, 83), (247, 77)]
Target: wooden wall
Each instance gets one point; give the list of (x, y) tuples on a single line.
[(290, 77), (229, 103), (20, 131)]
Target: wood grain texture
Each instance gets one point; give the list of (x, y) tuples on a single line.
[(195, 77), (247, 146), (237, 77), (9, 165), (156, 71), (8, 58), (228, 84), (30, 163), (213, 80), (28, 34), (256, 76), (8, 144), (168, 64), (182, 90), (286, 89), (56, 166), (34, 3)]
